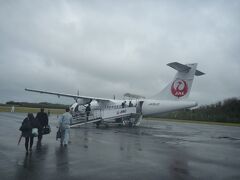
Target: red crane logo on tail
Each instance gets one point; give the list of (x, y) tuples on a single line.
[(179, 88)]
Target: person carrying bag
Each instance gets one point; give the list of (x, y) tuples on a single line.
[(64, 127), (28, 131)]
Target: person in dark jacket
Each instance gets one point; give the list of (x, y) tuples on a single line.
[(26, 128), (42, 119), (124, 104), (130, 104), (88, 110)]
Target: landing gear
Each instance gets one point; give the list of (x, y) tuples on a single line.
[(97, 124), (130, 124)]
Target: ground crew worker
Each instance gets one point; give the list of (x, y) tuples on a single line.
[(64, 125), (13, 109), (42, 119)]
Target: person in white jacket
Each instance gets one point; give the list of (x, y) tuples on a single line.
[(64, 124)]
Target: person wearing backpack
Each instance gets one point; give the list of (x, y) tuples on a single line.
[(26, 128)]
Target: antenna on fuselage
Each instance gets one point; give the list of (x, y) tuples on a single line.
[(77, 95)]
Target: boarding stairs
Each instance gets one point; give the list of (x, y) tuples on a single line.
[(112, 114)]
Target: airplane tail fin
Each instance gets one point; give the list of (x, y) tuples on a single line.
[(180, 87)]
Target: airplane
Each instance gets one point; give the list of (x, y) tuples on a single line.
[(131, 111)]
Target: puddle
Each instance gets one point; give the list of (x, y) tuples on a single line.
[(227, 137)]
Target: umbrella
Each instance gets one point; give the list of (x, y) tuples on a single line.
[(19, 139)]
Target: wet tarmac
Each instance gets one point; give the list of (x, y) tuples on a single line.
[(156, 150)]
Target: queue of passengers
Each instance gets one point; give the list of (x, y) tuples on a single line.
[(38, 126), (129, 105)]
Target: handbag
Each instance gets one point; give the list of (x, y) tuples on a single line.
[(58, 134), (35, 132), (46, 130)]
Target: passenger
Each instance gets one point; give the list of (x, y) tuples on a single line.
[(124, 104), (88, 110), (26, 128), (130, 104), (42, 119), (64, 125)]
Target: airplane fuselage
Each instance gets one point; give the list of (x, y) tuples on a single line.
[(153, 107), (149, 106)]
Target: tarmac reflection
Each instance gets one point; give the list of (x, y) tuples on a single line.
[(62, 161), (33, 164), (156, 150)]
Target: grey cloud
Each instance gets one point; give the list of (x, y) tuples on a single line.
[(109, 47)]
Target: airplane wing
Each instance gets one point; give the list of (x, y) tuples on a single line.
[(75, 97)]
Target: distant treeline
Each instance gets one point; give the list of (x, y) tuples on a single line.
[(224, 111), (36, 105)]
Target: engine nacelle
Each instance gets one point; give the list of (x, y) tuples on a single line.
[(77, 108), (83, 101)]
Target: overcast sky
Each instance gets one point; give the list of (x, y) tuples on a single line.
[(111, 47)]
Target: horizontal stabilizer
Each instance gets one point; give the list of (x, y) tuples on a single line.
[(183, 68), (179, 67), (199, 73)]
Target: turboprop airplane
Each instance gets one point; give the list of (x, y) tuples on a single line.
[(130, 112)]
